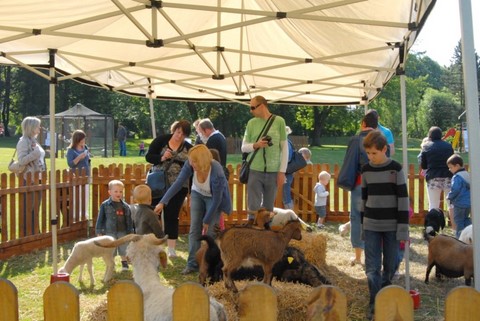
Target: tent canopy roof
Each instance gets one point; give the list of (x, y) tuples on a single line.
[(79, 110), (290, 51)]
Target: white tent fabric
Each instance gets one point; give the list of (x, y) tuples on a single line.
[(299, 52)]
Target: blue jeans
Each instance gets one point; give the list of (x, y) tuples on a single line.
[(355, 217), (261, 191), (287, 192), (123, 147), (461, 216), (199, 206), (377, 243)]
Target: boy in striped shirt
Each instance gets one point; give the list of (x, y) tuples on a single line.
[(384, 213)]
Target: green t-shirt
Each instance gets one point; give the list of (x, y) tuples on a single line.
[(267, 159)]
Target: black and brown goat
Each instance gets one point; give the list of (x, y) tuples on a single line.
[(263, 247), (451, 258), (292, 267)]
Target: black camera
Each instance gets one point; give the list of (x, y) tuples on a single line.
[(268, 139)]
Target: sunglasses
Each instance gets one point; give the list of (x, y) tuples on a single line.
[(254, 107)]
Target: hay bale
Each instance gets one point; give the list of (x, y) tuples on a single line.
[(292, 299), (99, 313), (314, 246)]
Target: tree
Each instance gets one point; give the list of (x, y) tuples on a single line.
[(438, 109)]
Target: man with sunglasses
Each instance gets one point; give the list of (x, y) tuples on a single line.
[(267, 170)]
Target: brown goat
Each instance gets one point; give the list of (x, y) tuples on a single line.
[(450, 256), (263, 247)]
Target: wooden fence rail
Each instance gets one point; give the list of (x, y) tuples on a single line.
[(125, 302), (25, 223)]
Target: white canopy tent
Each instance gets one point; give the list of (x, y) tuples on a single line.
[(316, 52)]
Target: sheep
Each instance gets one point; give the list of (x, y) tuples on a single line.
[(434, 222), (466, 235), (146, 252), (82, 254), (292, 267), (264, 247), (451, 257)]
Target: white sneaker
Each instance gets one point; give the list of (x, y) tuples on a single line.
[(172, 253)]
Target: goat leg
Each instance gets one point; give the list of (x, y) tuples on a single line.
[(227, 278), (429, 268), (267, 274)]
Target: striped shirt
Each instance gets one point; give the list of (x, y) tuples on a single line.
[(385, 199)]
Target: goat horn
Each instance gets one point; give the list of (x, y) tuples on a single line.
[(155, 241), (120, 241)]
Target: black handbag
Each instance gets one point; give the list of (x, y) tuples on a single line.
[(296, 163), (245, 169)]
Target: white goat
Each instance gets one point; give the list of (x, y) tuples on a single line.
[(82, 254), (466, 235), (146, 254)]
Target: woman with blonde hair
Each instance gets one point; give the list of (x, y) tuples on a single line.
[(31, 155), (209, 197)]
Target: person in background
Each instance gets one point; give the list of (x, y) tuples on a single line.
[(213, 139), (31, 155), (267, 170), (459, 194), (78, 158), (115, 219), (384, 213), (122, 139), (350, 179), (287, 187), (386, 132), (170, 152), (433, 159), (141, 149), (210, 197), (321, 195), (307, 154), (145, 220)]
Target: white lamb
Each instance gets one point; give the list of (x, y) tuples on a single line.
[(82, 254), (146, 254), (466, 235)]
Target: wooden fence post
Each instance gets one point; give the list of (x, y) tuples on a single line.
[(393, 303), (125, 302), (193, 296), (327, 302), (61, 302), (8, 301), (250, 310), (462, 304)]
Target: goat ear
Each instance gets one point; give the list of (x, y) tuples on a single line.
[(163, 259)]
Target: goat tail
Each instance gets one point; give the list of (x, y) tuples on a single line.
[(210, 240)]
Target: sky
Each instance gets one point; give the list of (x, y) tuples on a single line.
[(441, 32)]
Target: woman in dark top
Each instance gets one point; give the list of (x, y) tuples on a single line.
[(433, 159), (170, 152)]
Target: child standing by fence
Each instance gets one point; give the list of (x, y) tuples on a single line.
[(115, 219), (141, 149), (459, 194), (321, 195), (384, 214)]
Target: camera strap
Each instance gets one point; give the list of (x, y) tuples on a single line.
[(264, 131)]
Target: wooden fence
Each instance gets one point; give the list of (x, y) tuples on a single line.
[(25, 223), (125, 302)]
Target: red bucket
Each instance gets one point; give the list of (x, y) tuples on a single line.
[(416, 298), (59, 277)]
